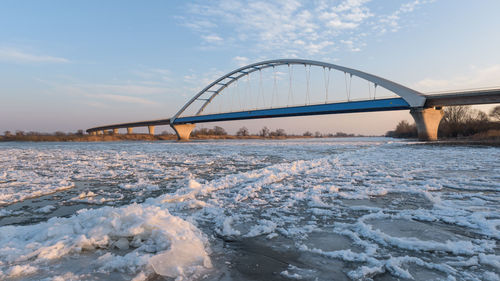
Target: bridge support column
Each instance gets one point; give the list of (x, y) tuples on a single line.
[(115, 131), (129, 131), (100, 132), (183, 131), (93, 133), (427, 121), (151, 130)]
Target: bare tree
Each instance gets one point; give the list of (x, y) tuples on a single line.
[(307, 134), (219, 131), (243, 131), (278, 133), (318, 134), (457, 114), (264, 132), (462, 121), (495, 113)]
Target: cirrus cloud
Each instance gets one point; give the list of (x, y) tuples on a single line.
[(19, 56)]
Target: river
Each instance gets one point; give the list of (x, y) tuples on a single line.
[(305, 209)]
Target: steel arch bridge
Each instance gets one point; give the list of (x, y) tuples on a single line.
[(425, 109)]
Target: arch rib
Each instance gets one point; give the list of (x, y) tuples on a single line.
[(413, 98)]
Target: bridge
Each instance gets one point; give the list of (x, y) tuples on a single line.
[(216, 102)]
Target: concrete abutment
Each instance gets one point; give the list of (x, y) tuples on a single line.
[(427, 121), (183, 131), (151, 130), (129, 131)]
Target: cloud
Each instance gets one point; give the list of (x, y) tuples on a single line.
[(212, 38), (474, 78), (391, 22), (100, 95), (241, 61), (125, 99), (292, 27), (13, 55), (124, 89)]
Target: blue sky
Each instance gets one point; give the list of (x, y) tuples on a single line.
[(68, 65)]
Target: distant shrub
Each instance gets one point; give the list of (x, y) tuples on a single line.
[(216, 131), (403, 130), (278, 133)]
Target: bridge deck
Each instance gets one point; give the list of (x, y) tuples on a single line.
[(486, 96), (317, 109), (131, 125)]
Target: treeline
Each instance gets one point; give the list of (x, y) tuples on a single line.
[(201, 133), (265, 132), (80, 137), (37, 136), (458, 121)]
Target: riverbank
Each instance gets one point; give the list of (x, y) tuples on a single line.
[(131, 137), (463, 142)]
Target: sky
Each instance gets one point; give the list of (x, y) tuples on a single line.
[(69, 65)]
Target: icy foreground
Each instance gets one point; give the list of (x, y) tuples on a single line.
[(247, 210)]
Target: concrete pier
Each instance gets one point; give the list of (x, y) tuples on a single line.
[(183, 131), (93, 133), (115, 131), (129, 131), (427, 121), (151, 130)]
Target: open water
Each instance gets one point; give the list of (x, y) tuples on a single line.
[(309, 209)]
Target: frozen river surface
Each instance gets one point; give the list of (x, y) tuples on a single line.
[(314, 209)]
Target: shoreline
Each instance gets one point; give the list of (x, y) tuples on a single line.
[(138, 137), (474, 141)]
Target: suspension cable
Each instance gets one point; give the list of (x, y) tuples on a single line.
[(327, 82), (261, 89), (290, 92), (275, 87), (369, 90), (248, 92), (350, 88), (346, 90), (238, 91), (308, 76), (231, 97), (374, 90), (220, 104)]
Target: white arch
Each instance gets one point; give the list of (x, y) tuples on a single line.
[(412, 97)]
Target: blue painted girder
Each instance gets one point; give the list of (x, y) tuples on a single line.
[(317, 109)]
